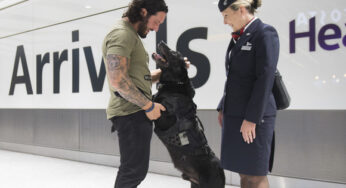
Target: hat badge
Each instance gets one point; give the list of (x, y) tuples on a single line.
[(225, 2)]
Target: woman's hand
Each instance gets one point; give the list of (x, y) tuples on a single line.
[(248, 130)]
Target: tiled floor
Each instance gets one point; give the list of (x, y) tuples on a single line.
[(18, 170)]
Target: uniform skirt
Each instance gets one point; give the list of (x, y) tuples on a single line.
[(254, 159)]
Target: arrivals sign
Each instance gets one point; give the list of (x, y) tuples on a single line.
[(61, 66)]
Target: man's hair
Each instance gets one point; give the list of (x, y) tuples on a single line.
[(152, 6)]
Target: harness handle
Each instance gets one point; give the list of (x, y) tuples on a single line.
[(200, 122)]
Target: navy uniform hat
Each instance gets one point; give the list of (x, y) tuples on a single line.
[(223, 4)]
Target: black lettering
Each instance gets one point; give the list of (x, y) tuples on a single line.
[(75, 70), (75, 36), (97, 82), (40, 62), (161, 35), (20, 56), (199, 60), (75, 63), (56, 73)]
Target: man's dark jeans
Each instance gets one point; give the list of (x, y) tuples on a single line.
[(134, 134)]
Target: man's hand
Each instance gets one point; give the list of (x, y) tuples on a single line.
[(248, 130), (155, 75), (155, 113), (220, 117)]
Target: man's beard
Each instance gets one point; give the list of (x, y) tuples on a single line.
[(142, 28)]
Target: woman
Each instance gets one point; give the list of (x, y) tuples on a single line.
[(247, 110)]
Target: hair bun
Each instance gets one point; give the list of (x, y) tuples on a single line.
[(255, 4)]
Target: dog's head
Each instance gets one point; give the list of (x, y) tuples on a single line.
[(171, 63)]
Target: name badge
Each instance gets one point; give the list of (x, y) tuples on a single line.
[(247, 48)]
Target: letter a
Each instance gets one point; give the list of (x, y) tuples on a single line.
[(20, 55)]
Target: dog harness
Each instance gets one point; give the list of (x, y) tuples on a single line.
[(187, 136)]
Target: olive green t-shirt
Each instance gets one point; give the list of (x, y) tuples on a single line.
[(124, 41)]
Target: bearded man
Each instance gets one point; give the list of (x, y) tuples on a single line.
[(130, 107)]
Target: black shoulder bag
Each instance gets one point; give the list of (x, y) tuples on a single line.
[(282, 98)]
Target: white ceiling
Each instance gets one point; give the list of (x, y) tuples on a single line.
[(34, 14), (8, 3)]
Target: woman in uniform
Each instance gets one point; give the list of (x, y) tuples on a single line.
[(247, 110)]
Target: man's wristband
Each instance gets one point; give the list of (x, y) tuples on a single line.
[(151, 108)]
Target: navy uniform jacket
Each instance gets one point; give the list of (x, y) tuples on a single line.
[(250, 73)]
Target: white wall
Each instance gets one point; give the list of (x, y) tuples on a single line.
[(315, 79)]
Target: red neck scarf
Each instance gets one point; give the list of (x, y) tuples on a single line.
[(237, 34)]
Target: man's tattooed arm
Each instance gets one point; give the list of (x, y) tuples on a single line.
[(119, 79)]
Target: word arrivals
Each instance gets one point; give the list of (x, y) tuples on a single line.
[(97, 80), (199, 60)]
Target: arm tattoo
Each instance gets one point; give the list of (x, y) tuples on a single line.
[(113, 62), (119, 79)]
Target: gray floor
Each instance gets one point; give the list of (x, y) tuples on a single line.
[(18, 170)]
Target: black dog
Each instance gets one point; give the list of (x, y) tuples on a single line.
[(179, 128)]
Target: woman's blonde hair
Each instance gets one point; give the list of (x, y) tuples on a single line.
[(250, 5)]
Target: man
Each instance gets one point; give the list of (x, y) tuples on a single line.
[(130, 107)]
